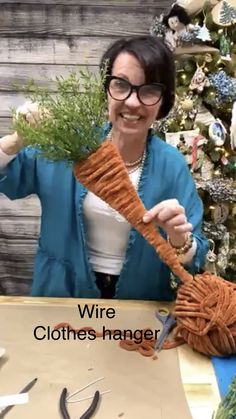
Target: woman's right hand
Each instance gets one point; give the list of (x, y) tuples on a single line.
[(11, 144)]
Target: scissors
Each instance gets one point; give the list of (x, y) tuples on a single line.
[(168, 322)]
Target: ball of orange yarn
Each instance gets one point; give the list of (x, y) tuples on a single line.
[(206, 314)]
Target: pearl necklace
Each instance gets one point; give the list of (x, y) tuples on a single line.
[(140, 165), (128, 164), (134, 163)]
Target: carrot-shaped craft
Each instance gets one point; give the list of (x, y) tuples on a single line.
[(71, 130)]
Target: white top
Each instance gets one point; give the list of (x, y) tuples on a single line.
[(107, 233)]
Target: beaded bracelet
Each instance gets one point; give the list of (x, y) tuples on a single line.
[(185, 248)]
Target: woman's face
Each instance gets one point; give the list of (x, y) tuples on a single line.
[(130, 116)]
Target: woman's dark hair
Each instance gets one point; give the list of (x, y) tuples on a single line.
[(180, 13), (156, 60)]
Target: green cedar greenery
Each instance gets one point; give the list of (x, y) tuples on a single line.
[(227, 408), (71, 120)]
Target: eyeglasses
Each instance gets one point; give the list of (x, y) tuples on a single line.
[(121, 89)]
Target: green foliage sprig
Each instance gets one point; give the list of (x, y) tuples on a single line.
[(71, 120), (227, 408)]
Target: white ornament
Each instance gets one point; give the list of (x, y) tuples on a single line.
[(204, 34), (199, 80), (217, 133)]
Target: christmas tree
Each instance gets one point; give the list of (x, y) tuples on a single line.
[(202, 124)]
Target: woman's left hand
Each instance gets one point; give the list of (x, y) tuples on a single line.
[(170, 216)]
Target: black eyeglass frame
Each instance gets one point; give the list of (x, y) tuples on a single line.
[(135, 88)]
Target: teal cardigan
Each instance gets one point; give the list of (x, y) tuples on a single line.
[(62, 268)]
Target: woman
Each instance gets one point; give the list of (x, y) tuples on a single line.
[(85, 248)]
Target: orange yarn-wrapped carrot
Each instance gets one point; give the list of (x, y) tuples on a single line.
[(105, 174)]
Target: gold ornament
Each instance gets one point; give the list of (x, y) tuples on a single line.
[(208, 58), (187, 104)]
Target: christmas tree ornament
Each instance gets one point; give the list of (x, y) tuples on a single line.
[(210, 264), (199, 80), (223, 13), (217, 133), (220, 213), (208, 58), (187, 104), (225, 47), (204, 34), (227, 14)]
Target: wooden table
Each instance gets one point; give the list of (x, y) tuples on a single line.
[(197, 372)]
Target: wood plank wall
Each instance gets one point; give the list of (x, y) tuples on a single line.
[(42, 39)]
